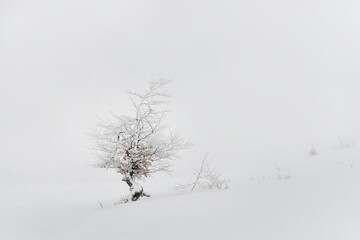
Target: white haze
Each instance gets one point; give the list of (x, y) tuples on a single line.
[(250, 78)]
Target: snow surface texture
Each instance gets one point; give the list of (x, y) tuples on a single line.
[(318, 200)]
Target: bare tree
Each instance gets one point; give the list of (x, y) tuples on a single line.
[(140, 145), (205, 178)]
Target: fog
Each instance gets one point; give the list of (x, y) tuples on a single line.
[(249, 78)]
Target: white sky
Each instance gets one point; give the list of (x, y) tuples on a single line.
[(249, 77)]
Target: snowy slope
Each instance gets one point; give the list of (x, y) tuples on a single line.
[(320, 200)]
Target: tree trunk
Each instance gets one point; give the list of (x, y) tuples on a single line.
[(136, 190)]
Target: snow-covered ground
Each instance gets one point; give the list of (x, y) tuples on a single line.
[(253, 81), (320, 199)]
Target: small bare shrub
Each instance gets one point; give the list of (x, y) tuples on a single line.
[(205, 178), (346, 143), (313, 151), (280, 175)]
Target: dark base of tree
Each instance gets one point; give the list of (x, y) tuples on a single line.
[(134, 195), (137, 195)]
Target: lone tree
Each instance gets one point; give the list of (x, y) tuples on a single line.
[(139, 145)]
